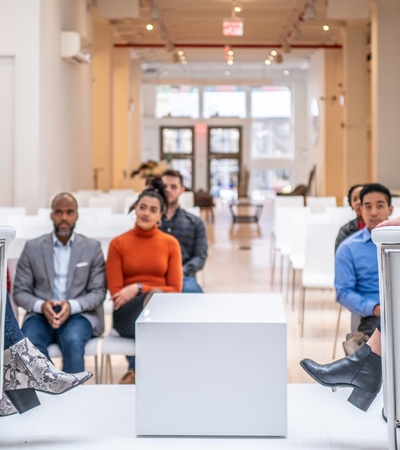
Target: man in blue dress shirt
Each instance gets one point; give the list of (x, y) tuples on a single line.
[(356, 260)]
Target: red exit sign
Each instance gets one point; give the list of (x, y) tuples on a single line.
[(232, 27)]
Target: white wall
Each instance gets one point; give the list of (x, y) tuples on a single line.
[(52, 108), (20, 39), (65, 102)]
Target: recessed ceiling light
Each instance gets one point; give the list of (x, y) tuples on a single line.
[(270, 58), (149, 27), (230, 61), (267, 62), (325, 27), (286, 72), (227, 73), (274, 52), (180, 52)]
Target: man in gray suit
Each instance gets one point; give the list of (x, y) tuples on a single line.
[(60, 281)]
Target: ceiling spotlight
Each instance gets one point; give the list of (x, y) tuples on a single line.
[(325, 27), (237, 7), (274, 52), (230, 52), (286, 72), (230, 61), (227, 73), (268, 62), (180, 52), (149, 27), (184, 62), (154, 12), (296, 32), (271, 58), (309, 12)]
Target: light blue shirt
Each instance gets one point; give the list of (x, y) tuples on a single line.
[(61, 257), (356, 273)]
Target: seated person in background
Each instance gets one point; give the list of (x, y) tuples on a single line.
[(356, 261), (361, 371), (356, 224), (60, 281), (187, 228), (140, 261)]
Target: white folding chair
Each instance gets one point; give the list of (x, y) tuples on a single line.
[(104, 200), (319, 204), (83, 195), (284, 223), (114, 344), (319, 261), (282, 201), (6, 212), (186, 199), (340, 214), (91, 349)]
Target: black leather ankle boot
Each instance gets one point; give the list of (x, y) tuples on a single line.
[(362, 371)]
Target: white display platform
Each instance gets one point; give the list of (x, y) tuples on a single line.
[(211, 365), (97, 417)]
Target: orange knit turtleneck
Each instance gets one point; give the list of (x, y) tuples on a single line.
[(151, 257)]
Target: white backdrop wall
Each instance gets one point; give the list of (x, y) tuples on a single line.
[(51, 136)]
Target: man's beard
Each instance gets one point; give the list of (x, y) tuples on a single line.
[(64, 232)]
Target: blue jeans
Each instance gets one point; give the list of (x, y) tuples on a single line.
[(12, 332), (190, 285), (71, 337)]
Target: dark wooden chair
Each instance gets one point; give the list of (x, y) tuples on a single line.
[(205, 201), (303, 189)]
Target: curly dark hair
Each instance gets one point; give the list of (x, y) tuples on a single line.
[(154, 188), (351, 191)]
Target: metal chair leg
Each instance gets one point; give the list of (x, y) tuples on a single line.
[(96, 369), (293, 286), (337, 332), (302, 311)]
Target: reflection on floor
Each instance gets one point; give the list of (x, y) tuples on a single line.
[(240, 261)]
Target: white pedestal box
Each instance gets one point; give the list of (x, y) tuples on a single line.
[(211, 365)]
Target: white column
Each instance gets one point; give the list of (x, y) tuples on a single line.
[(135, 123), (386, 92), (102, 101)]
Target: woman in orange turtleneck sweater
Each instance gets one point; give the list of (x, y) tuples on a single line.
[(139, 261)]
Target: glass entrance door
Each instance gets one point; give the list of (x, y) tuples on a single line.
[(177, 148), (224, 158)]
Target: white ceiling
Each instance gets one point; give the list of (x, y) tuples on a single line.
[(195, 26)]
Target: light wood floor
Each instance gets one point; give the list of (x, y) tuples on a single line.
[(240, 261)]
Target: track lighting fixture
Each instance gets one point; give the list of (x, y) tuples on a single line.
[(309, 12)]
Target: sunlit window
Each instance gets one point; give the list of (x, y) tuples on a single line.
[(271, 101), (177, 101), (272, 125), (266, 180), (224, 101)]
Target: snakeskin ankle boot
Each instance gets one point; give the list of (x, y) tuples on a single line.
[(6, 407), (27, 370)]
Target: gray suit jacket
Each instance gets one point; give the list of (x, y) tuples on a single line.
[(34, 279)]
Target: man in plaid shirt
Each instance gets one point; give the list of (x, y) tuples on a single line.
[(188, 229)]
